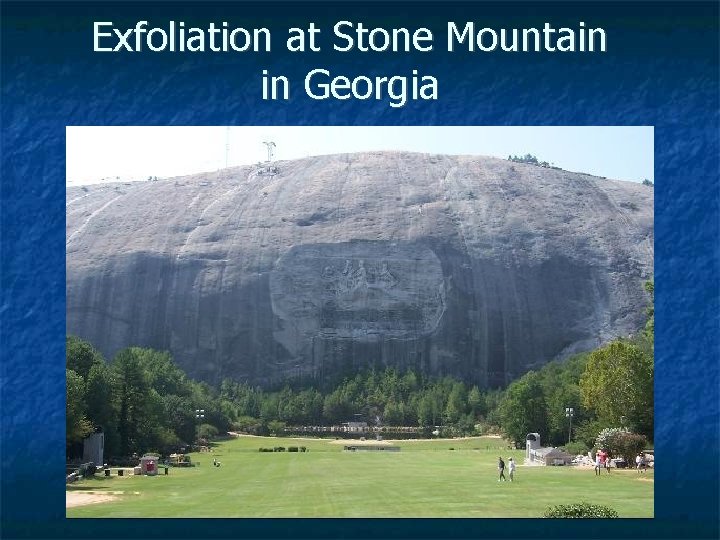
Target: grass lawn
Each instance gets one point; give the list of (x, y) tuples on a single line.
[(424, 479)]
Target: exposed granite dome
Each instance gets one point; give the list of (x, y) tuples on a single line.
[(463, 265)]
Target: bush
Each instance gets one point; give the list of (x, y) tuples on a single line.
[(580, 510), (575, 448), (206, 431), (620, 442), (292, 448), (631, 444), (609, 439), (248, 424)]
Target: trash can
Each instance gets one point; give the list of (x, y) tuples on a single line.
[(107, 472), (166, 471)]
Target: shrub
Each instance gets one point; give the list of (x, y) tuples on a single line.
[(620, 442), (292, 449), (631, 444), (302, 449), (580, 510), (248, 424), (206, 431), (609, 439), (575, 448)]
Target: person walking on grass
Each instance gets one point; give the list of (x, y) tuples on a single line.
[(605, 460), (640, 462), (501, 469), (511, 468), (598, 463)]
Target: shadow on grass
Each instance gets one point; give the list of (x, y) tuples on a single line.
[(91, 484)]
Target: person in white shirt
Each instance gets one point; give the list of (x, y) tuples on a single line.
[(640, 462), (511, 468)]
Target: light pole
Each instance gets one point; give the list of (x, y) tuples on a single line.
[(569, 413), (199, 416)]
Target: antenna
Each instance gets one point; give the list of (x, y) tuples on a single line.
[(270, 145)]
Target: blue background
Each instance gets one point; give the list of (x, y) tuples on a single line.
[(661, 69)]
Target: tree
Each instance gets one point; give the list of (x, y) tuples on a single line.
[(466, 424), (311, 405), (427, 412), (80, 356), (165, 440), (650, 325), (455, 405), (276, 427), (133, 390), (476, 403), (206, 431), (561, 397), (162, 373), (394, 414), (409, 383), (618, 385), (102, 411), (523, 410), (336, 407), (77, 426), (142, 401), (179, 416), (587, 432)]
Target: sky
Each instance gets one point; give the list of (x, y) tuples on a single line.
[(105, 153)]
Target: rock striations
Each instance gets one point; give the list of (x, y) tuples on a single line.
[(471, 266)]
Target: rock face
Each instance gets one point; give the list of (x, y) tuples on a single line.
[(464, 265)]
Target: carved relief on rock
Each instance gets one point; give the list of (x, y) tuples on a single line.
[(357, 276), (356, 290)]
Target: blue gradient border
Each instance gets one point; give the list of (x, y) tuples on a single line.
[(661, 69)]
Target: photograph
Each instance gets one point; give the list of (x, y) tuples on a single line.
[(360, 321)]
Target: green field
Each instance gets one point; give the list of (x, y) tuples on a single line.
[(424, 479)]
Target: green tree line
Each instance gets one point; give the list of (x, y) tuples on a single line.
[(398, 399), (143, 401), (610, 387)]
